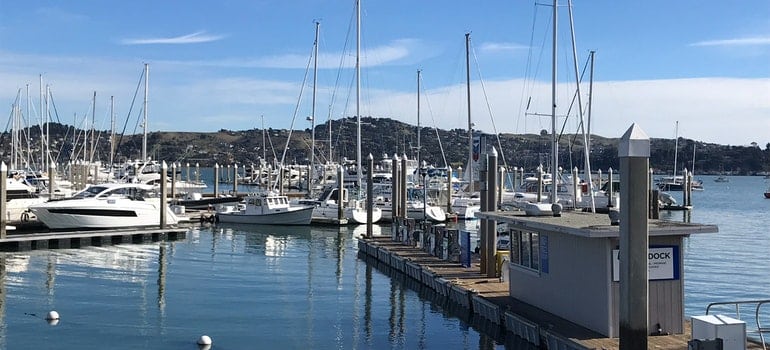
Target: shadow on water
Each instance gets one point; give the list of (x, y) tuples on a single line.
[(491, 335)]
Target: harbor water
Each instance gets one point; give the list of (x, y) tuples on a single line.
[(305, 287)]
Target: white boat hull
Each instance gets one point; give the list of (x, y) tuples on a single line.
[(293, 216), (326, 212), (432, 213), (100, 213)]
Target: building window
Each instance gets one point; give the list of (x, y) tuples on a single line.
[(525, 249)]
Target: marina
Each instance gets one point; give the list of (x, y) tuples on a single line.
[(108, 241)]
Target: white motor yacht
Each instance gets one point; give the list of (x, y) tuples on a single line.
[(104, 206)]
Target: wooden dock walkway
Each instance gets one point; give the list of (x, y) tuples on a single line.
[(78, 239), (488, 298)]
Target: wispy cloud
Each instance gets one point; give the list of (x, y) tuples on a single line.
[(54, 13), (735, 42), (194, 38), (392, 53), (500, 47)]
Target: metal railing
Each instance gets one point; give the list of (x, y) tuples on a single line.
[(757, 305)]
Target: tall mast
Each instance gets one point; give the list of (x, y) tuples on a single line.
[(93, 123), (470, 124), (418, 117), (590, 97), (554, 142), (586, 151), (46, 160), (42, 122), (312, 112), (676, 147), (264, 145), (146, 96), (29, 115), (358, 94), (112, 130)]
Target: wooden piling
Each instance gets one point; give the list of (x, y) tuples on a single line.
[(491, 225), (216, 180), (634, 153), (235, 179), (395, 201), (369, 196), (163, 190), (3, 198)]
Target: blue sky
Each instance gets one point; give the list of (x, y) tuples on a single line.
[(224, 64)]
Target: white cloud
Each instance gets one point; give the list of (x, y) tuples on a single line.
[(193, 38), (735, 42), (491, 47), (704, 108), (719, 110)]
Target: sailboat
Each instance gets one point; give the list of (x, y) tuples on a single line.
[(465, 204), (553, 208), (678, 182)]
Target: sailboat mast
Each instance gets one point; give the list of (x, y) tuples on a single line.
[(358, 93), (590, 98), (112, 131), (144, 123), (554, 142), (47, 128), (42, 122), (312, 112), (93, 123), (470, 124), (676, 147), (264, 146), (586, 152), (418, 116)]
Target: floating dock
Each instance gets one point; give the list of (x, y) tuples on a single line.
[(488, 299), (79, 239)]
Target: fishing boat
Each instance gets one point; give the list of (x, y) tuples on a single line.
[(105, 206), (268, 208), (767, 193)]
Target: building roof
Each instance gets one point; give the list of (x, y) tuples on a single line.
[(590, 225)]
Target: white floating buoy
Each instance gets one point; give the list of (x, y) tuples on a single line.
[(52, 315), (204, 340)]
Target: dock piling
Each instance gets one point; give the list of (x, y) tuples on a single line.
[(3, 198), (162, 206), (491, 225), (216, 180), (634, 153), (369, 196)]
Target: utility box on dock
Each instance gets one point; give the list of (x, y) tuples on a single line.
[(730, 330)]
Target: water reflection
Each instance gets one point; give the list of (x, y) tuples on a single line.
[(233, 283)]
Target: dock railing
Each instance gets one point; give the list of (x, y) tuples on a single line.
[(748, 305)]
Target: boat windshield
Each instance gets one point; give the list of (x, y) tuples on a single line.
[(91, 191)]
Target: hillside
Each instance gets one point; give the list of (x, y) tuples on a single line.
[(381, 136)]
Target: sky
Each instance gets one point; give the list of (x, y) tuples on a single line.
[(696, 69)]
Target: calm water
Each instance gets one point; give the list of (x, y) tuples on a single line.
[(275, 287)]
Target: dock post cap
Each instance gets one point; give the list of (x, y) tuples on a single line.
[(634, 143)]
